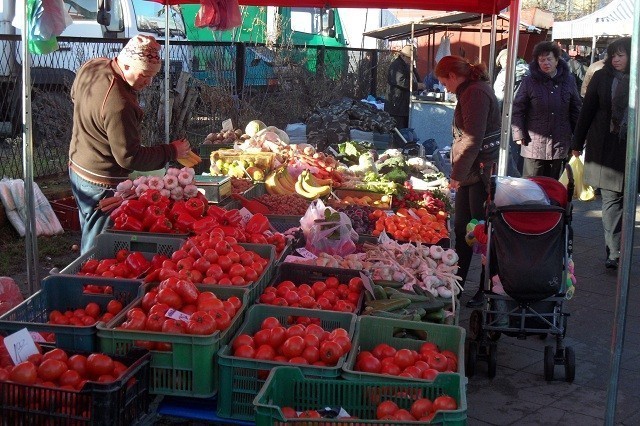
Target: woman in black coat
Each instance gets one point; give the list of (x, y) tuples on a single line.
[(399, 96), (602, 131)]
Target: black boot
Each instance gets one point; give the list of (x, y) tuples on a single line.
[(477, 300)]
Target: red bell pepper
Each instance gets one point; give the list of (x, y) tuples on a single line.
[(161, 225), (204, 225), (153, 276), (151, 214), (177, 208), (137, 263), (157, 259), (150, 196), (257, 224), (135, 208), (258, 239), (215, 211), (231, 217), (183, 223), (127, 222), (195, 207), (164, 201), (229, 231), (116, 213)]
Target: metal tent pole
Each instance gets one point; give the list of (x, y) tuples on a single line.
[(512, 52), (167, 107), (628, 222), (31, 234), (492, 48)]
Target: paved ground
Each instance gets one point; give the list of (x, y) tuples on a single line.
[(520, 395)]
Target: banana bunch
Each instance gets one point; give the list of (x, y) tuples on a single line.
[(280, 182), (310, 187)]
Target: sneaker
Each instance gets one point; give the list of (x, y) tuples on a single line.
[(611, 264), (477, 300)]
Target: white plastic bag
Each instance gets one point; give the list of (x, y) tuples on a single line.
[(328, 231), (511, 191), (444, 49)]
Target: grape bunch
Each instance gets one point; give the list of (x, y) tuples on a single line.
[(360, 218)]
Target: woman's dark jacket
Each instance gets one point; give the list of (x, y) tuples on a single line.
[(604, 160), (399, 95), (476, 123), (545, 112)]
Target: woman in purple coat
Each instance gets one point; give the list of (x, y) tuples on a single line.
[(545, 112)]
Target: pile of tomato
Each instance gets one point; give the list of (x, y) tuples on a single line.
[(411, 225), (297, 344), (125, 264), (422, 409), (426, 363), (328, 295)]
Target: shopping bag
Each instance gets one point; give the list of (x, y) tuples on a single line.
[(581, 191)]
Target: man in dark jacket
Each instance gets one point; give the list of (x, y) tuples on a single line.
[(397, 104), (545, 112)]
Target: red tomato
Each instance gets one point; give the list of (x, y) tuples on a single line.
[(187, 291), (174, 326), (413, 371), (265, 352), (390, 368), (296, 330), (403, 415), (24, 373), (289, 413), (316, 330), (244, 351), (330, 352), (383, 350), (404, 358), (119, 368), (57, 353), (299, 360), (92, 309), (170, 298), (318, 287), (155, 322), (332, 282), (106, 378), (311, 354), (237, 280), (356, 285), (222, 319), (114, 307), (277, 336), (201, 323), (444, 402), (293, 346), (246, 258), (36, 359), (344, 342), (262, 337), (438, 361), (428, 347), (225, 262), (243, 339), (207, 301), (51, 369), (430, 374), (270, 322), (222, 248), (78, 363), (235, 301), (421, 408), (369, 364), (99, 364), (159, 308), (311, 340), (235, 257), (69, 378), (386, 408), (250, 274), (310, 414)]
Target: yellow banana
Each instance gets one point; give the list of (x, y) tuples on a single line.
[(270, 184), (309, 186), (301, 191), (284, 184), (289, 180)]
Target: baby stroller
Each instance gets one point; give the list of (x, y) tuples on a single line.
[(528, 249)]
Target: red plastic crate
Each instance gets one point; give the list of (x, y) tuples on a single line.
[(66, 210)]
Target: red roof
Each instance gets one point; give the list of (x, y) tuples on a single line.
[(480, 6)]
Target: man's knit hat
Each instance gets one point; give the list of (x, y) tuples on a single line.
[(407, 50), (143, 53)]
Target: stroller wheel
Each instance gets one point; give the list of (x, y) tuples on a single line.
[(569, 364), (493, 360), (472, 358), (549, 363), (475, 325)]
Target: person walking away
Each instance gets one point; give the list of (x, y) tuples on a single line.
[(602, 133), (578, 69), (398, 78), (545, 111), (106, 141), (597, 65), (514, 168), (475, 148)]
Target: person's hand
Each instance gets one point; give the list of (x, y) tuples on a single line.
[(454, 184), (576, 153), (182, 148), (519, 141)]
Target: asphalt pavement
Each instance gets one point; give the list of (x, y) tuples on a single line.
[(519, 394)]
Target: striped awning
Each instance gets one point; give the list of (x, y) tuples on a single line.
[(615, 19)]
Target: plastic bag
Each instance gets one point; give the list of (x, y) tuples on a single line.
[(511, 191), (581, 191), (10, 295), (327, 230), (444, 49), (219, 15)]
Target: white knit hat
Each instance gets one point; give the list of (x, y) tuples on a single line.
[(143, 53), (406, 51)]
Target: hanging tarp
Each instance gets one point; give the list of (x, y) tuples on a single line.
[(615, 19)]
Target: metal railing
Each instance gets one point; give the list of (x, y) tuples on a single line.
[(213, 81)]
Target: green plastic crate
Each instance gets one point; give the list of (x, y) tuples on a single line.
[(371, 331), (122, 402), (189, 369), (283, 222), (107, 245), (288, 387), (242, 378), (66, 292), (300, 274)]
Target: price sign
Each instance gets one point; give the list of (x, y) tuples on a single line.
[(245, 215), (306, 253), (20, 346), (413, 214), (227, 125), (37, 337), (177, 315), (333, 151), (367, 282), (389, 212)]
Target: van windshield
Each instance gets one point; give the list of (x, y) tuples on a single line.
[(150, 17), (81, 10)]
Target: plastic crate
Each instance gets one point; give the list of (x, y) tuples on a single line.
[(205, 151), (66, 292), (288, 387), (283, 222), (374, 330), (242, 378), (262, 160), (66, 211), (107, 245), (189, 369), (120, 403), (300, 274), (256, 190), (216, 188)]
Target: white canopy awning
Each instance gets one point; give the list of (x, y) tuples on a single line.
[(613, 20)]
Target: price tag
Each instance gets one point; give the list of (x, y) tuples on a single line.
[(367, 282), (177, 315), (413, 214), (383, 238), (227, 125), (389, 212), (268, 233), (245, 214), (332, 151), (20, 346), (37, 337), (306, 253)]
